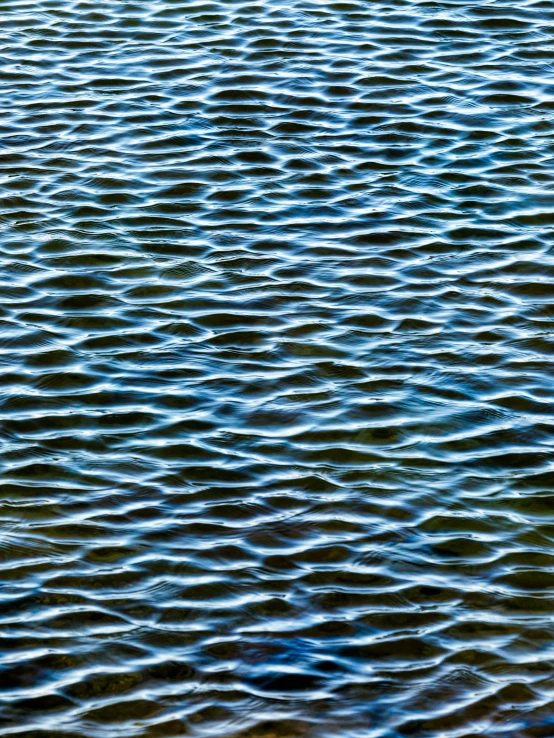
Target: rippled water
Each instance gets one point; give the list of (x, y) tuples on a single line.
[(276, 344)]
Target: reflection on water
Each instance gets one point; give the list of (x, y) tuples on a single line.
[(277, 331)]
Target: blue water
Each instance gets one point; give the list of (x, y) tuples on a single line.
[(276, 341)]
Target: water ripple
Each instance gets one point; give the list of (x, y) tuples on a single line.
[(277, 443)]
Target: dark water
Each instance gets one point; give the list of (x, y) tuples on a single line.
[(277, 332)]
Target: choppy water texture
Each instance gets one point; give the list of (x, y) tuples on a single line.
[(276, 339)]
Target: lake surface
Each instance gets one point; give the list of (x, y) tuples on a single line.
[(277, 381)]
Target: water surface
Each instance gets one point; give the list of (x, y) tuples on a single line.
[(276, 346)]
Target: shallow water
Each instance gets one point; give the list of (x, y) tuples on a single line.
[(276, 350)]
